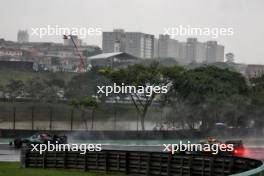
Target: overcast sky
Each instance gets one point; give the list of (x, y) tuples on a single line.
[(148, 16)]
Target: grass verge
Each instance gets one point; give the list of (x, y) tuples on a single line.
[(13, 169)]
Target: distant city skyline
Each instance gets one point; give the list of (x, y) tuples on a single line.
[(147, 16)]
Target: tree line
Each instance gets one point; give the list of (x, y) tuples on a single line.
[(204, 95)]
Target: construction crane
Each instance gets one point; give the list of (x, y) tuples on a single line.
[(81, 67)]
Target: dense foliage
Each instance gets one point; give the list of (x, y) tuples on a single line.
[(202, 95)]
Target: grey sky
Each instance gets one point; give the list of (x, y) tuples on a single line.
[(149, 16)]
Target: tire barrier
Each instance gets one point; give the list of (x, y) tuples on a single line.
[(140, 163)]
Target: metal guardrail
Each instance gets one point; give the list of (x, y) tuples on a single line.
[(142, 163)]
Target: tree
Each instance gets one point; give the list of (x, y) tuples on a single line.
[(85, 84), (35, 88), (51, 94), (257, 97), (15, 88), (202, 83), (54, 89), (83, 105), (140, 76), (58, 82), (89, 102), (208, 88), (75, 104), (238, 111), (47, 90)]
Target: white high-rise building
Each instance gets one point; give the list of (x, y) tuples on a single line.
[(214, 52), (135, 43), (195, 51), (167, 47), (191, 51)]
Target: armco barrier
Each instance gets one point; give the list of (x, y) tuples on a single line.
[(141, 163)]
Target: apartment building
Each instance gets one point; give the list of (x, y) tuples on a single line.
[(138, 44)]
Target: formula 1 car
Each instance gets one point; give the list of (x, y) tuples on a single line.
[(39, 139), (238, 148)]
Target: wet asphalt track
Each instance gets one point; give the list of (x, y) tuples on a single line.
[(9, 153)]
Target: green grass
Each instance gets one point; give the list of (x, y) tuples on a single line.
[(13, 169), (62, 112)]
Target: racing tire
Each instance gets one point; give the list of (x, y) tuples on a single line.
[(18, 143)]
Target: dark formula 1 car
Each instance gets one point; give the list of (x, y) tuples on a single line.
[(42, 138)]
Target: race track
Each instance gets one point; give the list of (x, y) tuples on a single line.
[(9, 153)]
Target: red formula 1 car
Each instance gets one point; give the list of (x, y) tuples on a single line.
[(229, 148), (239, 149)]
